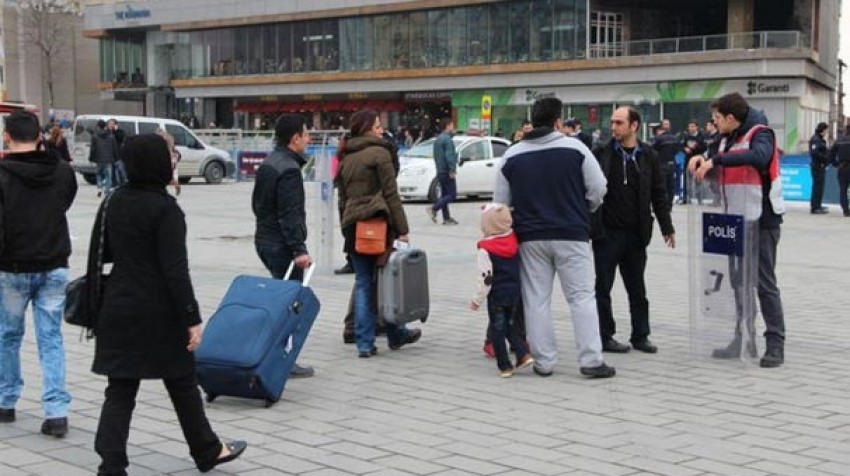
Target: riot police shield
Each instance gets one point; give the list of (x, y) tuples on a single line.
[(319, 195), (723, 228)]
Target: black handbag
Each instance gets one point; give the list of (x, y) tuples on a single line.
[(82, 295)]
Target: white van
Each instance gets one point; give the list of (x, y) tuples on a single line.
[(198, 159)]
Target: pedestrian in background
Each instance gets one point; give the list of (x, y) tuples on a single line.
[(445, 158), (149, 322), (119, 169), (104, 153), (820, 159), (57, 144), (553, 183), (36, 190), (839, 154), (175, 159), (367, 188)]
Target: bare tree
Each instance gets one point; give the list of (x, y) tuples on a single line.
[(48, 25)]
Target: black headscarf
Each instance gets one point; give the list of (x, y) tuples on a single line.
[(148, 160)]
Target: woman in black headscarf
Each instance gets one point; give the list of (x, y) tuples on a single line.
[(149, 322)]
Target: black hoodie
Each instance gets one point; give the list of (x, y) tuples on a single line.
[(36, 189)]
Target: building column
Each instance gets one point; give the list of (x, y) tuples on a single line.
[(739, 19)]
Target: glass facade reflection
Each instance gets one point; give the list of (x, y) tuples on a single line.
[(504, 32)]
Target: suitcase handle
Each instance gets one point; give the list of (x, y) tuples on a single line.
[(307, 274)]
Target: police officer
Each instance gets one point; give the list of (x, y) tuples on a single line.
[(820, 159), (839, 155)]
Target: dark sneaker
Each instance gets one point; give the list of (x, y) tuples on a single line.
[(431, 213), (346, 269), (644, 346), (820, 211), (541, 371), (412, 337), (774, 356), (57, 427), (365, 354), (301, 371), (611, 345), (600, 371), (7, 415), (450, 221), (348, 338), (235, 450)]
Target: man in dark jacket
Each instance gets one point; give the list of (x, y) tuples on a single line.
[(820, 159), (36, 190), (839, 155), (622, 226), (103, 152), (279, 205), (748, 147), (693, 143), (119, 169), (445, 158), (667, 145)]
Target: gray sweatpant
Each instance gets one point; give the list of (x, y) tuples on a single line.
[(573, 262)]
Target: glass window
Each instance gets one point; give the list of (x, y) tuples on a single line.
[(181, 136), (519, 28), (401, 41), (479, 150), (129, 128), (83, 130), (499, 40), (499, 149), (540, 45), (383, 42), (566, 21), (299, 47), (284, 48), (418, 39), (438, 37), (225, 42), (269, 54), (148, 127), (478, 23), (355, 43), (457, 39)]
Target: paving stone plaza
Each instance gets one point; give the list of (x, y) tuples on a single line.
[(438, 407)]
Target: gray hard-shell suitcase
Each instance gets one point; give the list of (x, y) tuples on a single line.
[(403, 287)]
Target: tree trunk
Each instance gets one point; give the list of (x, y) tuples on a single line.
[(50, 95)]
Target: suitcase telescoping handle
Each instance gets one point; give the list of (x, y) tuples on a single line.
[(307, 274)]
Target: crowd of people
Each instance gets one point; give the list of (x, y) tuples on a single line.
[(559, 209)]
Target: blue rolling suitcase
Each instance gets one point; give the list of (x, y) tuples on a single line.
[(246, 350)]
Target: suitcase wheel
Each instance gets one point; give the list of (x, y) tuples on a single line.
[(269, 403), (210, 397)]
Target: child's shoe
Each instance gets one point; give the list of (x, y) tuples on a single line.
[(525, 361), (489, 349), (506, 373)]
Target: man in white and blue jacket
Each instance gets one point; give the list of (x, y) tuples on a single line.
[(554, 183)]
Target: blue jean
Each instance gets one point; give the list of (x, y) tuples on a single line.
[(448, 194), (119, 173), (46, 291), (365, 308), (503, 312), (104, 177)]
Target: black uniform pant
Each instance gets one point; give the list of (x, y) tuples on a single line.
[(843, 183), (818, 176), (113, 429), (621, 249)]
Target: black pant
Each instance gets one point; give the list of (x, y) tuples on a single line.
[(669, 171), (113, 429), (502, 312), (623, 249), (818, 176), (843, 183), (277, 259)]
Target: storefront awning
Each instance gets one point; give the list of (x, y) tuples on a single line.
[(320, 106)]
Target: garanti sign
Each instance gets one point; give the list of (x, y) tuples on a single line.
[(130, 13)]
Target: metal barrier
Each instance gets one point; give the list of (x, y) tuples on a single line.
[(689, 44)]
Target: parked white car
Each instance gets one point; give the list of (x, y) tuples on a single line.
[(478, 158), (197, 158)]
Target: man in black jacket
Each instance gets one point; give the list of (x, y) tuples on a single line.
[(667, 145), (820, 159), (622, 227), (36, 190), (279, 205), (839, 155), (104, 153)]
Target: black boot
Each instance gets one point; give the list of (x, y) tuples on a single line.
[(774, 356)]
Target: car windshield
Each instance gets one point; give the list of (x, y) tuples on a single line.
[(425, 149), (83, 130)]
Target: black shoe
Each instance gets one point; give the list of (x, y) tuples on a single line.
[(301, 371), (847, 213), (774, 356), (380, 331), (644, 345), (820, 211), (540, 371), (365, 354), (601, 371), (450, 221), (733, 350), (57, 427), (236, 448), (7, 415), (348, 338), (611, 345), (346, 269), (412, 337)]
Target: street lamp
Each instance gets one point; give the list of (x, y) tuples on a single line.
[(842, 124)]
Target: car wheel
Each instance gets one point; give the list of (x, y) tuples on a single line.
[(91, 179), (184, 180), (434, 191), (214, 173)]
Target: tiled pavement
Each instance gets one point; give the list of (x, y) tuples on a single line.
[(439, 407)]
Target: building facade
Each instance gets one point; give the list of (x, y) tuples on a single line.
[(240, 63)]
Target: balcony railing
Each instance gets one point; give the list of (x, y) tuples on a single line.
[(691, 44)]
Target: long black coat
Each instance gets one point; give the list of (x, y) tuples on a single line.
[(149, 303)]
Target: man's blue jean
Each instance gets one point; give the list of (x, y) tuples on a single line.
[(46, 291), (365, 309), (448, 194), (104, 177)]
